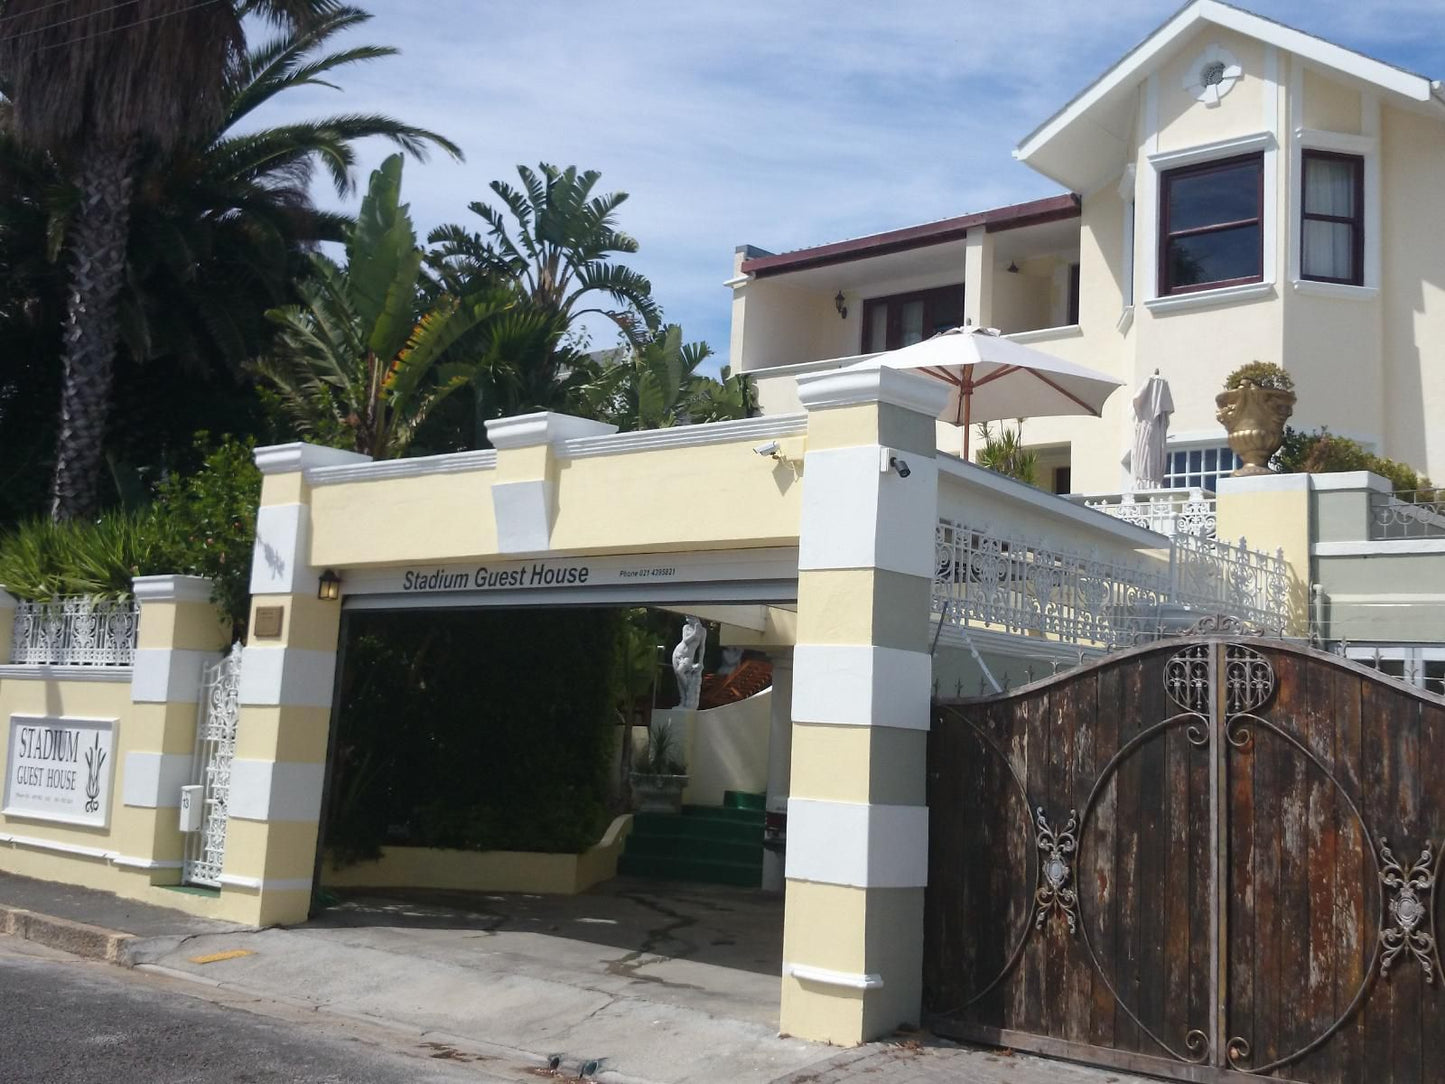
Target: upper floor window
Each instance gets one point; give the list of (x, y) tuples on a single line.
[(1332, 229), (1211, 229), (904, 319)]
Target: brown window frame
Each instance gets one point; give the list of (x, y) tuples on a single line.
[(1356, 222), (892, 305), (1166, 182)]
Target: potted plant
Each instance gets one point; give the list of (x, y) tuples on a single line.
[(659, 777), (1257, 400)]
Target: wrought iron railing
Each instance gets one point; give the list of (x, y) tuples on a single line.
[(1165, 511), (988, 580), (77, 631), (1015, 585), (1211, 576), (1405, 515)]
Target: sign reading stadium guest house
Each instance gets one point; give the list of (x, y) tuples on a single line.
[(765, 565), (60, 769)]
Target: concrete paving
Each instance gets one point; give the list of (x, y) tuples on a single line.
[(658, 983)]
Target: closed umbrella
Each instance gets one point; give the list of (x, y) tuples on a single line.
[(1152, 406), (994, 378)]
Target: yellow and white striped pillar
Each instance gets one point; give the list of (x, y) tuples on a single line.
[(181, 632), (288, 670), (857, 857)]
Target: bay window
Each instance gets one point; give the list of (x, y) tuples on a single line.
[(1332, 218), (1211, 228)]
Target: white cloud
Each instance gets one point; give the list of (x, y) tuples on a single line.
[(780, 123)]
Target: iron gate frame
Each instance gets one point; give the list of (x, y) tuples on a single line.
[(217, 716), (1222, 685)]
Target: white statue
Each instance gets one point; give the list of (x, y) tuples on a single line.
[(687, 662)]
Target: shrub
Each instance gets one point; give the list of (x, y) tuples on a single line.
[(1322, 452), (209, 520), (200, 524), (489, 730), (1260, 374)]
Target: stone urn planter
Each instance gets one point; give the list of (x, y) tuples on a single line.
[(1254, 419), (657, 793)]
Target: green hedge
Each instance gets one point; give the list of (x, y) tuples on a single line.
[(479, 731)]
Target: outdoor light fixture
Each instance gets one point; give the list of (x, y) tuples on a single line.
[(329, 588), (838, 304), (771, 449), (1012, 268)]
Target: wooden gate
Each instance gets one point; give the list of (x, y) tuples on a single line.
[(1201, 860)]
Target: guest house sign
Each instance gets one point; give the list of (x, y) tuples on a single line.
[(758, 565), (60, 769)]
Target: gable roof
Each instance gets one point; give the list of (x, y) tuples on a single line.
[(1069, 145)]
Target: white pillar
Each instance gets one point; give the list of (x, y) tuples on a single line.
[(780, 762)]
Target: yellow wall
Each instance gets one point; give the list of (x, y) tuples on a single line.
[(638, 502), (487, 871)]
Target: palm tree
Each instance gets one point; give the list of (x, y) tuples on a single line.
[(91, 82), (657, 385), (359, 363), (225, 227), (218, 222), (558, 249)]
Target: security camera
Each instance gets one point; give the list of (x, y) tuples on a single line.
[(900, 465), (771, 448)]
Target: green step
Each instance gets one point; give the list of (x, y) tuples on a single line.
[(700, 870), (718, 813), (687, 847), (741, 799), (699, 828)]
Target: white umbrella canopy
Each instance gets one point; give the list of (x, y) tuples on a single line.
[(995, 378), (1152, 406)]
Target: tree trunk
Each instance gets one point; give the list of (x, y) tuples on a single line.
[(97, 275)]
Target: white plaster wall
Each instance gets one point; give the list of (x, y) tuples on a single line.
[(727, 748)]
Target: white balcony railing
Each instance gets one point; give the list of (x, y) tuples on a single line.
[(78, 631), (1165, 511), (1003, 583)]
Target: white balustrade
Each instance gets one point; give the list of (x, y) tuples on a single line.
[(1168, 512), (991, 580), (76, 631)]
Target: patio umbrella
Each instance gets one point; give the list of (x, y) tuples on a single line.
[(994, 378), (1152, 406)]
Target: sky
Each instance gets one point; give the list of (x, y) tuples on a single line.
[(777, 123)]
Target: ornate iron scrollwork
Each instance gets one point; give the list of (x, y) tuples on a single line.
[(1248, 680), (1408, 911), (1056, 850), (1186, 678)]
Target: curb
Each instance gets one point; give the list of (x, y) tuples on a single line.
[(76, 938)]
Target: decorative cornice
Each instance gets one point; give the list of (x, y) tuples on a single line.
[(543, 427), (172, 588), (451, 463), (686, 436), (873, 382), (298, 456)]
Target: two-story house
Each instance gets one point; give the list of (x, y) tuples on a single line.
[(1238, 190)]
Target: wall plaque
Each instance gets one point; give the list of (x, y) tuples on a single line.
[(267, 625), (60, 769)]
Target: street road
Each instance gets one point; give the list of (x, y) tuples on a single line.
[(64, 1020)]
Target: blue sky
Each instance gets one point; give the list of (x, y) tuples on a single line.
[(780, 123)]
